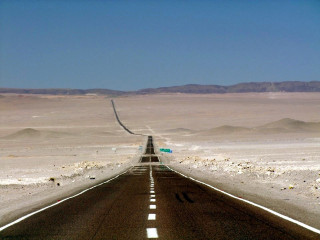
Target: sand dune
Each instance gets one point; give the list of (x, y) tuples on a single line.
[(285, 125), (292, 125), (30, 133), (225, 130), (179, 131)]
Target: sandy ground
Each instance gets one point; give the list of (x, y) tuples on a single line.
[(248, 144), (52, 147), (262, 147)]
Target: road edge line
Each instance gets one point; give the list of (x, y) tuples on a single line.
[(313, 229), (61, 201)]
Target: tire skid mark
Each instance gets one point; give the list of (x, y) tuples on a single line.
[(178, 198), (185, 195)]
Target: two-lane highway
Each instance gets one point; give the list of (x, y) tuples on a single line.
[(152, 201)]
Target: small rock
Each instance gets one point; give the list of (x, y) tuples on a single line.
[(270, 169)]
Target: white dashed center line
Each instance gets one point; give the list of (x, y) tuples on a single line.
[(152, 206), (152, 216), (152, 233)]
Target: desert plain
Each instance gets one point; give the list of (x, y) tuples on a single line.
[(264, 147)]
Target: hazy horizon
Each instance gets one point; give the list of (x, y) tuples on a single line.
[(4, 87)]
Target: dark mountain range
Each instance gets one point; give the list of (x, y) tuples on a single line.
[(61, 91), (293, 86), (239, 88)]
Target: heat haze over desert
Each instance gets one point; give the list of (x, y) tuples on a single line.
[(262, 147)]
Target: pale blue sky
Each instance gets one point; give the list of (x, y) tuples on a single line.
[(129, 45)]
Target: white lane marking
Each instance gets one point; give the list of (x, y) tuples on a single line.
[(153, 206), (152, 196), (152, 233), (254, 204), (152, 200), (151, 188), (152, 191), (152, 216), (65, 199)]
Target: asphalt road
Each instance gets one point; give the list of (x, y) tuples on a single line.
[(152, 201)]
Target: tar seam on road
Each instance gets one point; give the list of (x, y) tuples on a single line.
[(54, 204)]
